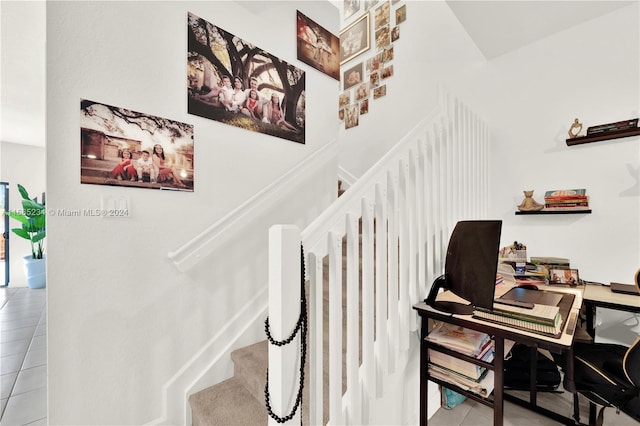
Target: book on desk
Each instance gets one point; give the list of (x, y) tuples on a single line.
[(469, 342), (460, 339), (547, 315), (482, 384)]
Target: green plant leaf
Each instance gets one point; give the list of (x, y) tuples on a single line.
[(39, 236), (32, 209), (23, 192), (22, 233), (39, 221), (33, 219), (18, 216)]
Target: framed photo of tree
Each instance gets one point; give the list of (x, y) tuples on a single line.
[(121, 147), (355, 39), (232, 81)]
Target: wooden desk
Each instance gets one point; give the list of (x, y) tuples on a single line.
[(602, 296), (563, 344)]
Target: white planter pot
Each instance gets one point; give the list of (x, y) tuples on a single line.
[(35, 271)]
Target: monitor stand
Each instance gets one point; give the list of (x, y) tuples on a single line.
[(445, 305)]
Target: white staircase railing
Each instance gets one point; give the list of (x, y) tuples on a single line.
[(393, 225)]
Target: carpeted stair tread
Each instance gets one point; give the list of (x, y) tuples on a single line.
[(250, 367), (219, 405)]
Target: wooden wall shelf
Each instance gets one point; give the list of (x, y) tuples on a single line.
[(556, 212), (603, 136)]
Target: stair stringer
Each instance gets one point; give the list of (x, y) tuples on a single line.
[(212, 364)]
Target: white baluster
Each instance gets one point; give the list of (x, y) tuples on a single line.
[(368, 306), (335, 328), (315, 351), (284, 290), (353, 320)]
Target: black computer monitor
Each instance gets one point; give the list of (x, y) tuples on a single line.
[(470, 266)]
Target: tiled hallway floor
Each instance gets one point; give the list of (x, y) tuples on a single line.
[(23, 356)]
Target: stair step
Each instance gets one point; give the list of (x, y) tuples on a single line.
[(219, 405), (250, 367)]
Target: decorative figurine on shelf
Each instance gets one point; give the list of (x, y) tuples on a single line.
[(529, 204), (575, 129)]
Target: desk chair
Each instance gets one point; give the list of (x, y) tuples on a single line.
[(607, 375)]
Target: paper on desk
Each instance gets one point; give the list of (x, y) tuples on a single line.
[(449, 296)]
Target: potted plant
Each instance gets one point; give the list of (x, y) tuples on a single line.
[(32, 217)]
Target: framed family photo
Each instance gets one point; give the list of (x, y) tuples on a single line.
[(234, 82), (564, 276), (355, 39), (318, 47), (126, 148), (352, 76)]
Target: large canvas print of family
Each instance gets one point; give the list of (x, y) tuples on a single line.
[(122, 147), (236, 83)]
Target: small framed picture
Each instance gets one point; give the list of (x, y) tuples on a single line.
[(351, 7), (351, 115), (355, 39), (401, 14), (379, 92), (568, 277), (381, 16), (344, 99), (352, 76)]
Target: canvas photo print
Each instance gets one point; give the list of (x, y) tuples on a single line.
[(236, 83), (127, 148), (318, 47)]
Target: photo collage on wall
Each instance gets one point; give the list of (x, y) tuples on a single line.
[(367, 79)]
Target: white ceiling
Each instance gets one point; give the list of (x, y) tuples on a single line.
[(497, 27), (22, 68)]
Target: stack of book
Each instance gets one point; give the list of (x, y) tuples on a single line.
[(538, 317), (464, 374), (546, 263), (533, 274), (551, 262), (566, 200), (541, 318), (531, 279), (612, 127)]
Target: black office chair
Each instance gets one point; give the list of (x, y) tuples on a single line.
[(607, 375)]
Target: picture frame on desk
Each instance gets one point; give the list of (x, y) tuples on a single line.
[(569, 277)]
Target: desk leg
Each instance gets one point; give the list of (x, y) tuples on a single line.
[(498, 383), (424, 383), (569, 384), (589, 308), (533, 376)]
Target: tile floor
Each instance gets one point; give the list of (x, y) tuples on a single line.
[(23, 356)]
